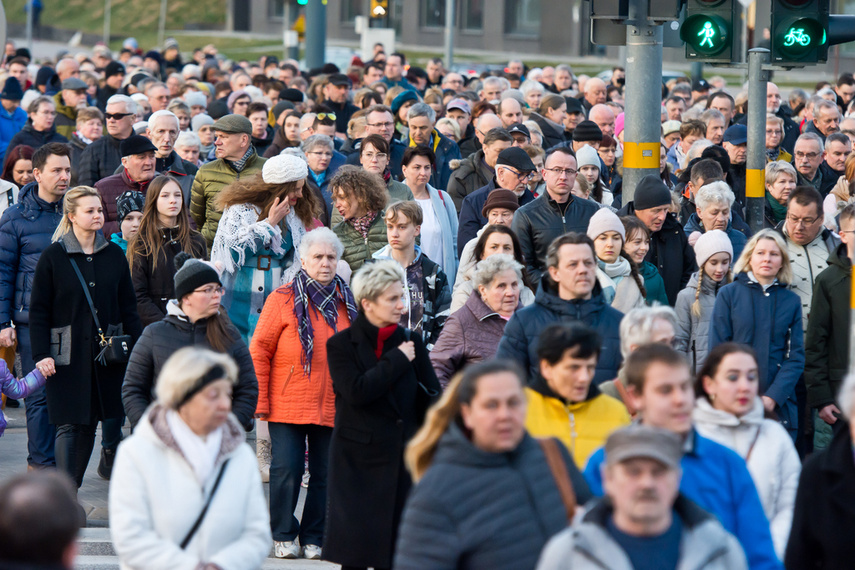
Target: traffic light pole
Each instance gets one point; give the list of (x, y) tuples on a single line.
[(642, 131), (755, 163), (316, 33)]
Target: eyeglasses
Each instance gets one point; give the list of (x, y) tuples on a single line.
[(385, 125), (807, 155), (241, 103), (373, 155), (211, 290), (568, 172), (803, 222), (117, 116), (324, 116), (521, 176)]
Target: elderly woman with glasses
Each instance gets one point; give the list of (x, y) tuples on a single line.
[(323, 162)]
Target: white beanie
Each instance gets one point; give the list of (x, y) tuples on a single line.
[(587, 156), (605, 221), (711, 243), (196, 98), (284, 168)]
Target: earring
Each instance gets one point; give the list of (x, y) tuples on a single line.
[(712, 397)]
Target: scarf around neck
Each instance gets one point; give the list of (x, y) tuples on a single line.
[(363, 224), (324, 299), (239, 165), (779, 211), (617, 270)]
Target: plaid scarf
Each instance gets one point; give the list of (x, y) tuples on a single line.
[(324, 299), (239, 165), (363, 224)]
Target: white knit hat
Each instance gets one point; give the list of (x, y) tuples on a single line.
[(605, 221), (711, 243), (197, 98), (587, 156), (284, 168)]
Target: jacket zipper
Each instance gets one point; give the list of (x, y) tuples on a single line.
[(287, 380)]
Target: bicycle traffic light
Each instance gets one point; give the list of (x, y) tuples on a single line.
[(379, 8), (709, 30), (800, 31)]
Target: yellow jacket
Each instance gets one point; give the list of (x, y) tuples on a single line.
[(583, 427)]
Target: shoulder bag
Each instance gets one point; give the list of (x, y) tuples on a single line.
[(202, 514), (559, 472)]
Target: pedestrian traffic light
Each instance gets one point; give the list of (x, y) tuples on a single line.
[(709, 30), (799, 31), (379, 8)]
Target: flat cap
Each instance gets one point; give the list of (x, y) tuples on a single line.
[(74, 83), (136, 144), (233, 124), (516, 158)]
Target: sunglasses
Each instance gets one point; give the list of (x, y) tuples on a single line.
[(323, 116), (117, 116)]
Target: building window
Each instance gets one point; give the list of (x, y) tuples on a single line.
[(432, 13), (472, 14), (350, 9), (522, 17), (276, 9)]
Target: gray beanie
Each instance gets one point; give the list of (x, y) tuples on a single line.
[(192, 273), (200, 121)]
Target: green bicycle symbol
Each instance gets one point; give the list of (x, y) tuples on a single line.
[(796, 36)]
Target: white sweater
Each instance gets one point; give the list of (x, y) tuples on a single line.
[(155, 498), (774, 463)]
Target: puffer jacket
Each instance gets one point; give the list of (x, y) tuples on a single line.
[(458, 515), (26, 229), (66, 117), (693, 332), (10, 124), (581, 426), (210, 179), (769, 454), (588, 545), (770, 321), (470, 334), (827, 335), (31, 137), (161, 340), (286, 394), (110, 189), (468, 175), (519, 342), (99, 160), (357, 249), (737, 238)]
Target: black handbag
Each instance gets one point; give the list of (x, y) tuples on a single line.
[(115, 349)]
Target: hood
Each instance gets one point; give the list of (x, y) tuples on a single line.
[(744, 279), (456, 449), (71, 245), (840, 257), (705, 413), (386, 253), (578, 309)]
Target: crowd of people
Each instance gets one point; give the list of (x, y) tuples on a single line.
[(428, 298)]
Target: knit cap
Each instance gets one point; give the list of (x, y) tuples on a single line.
[(200, 121), (192, 273), (605, 221), (587, 156), (403, 97), (234, 96), (651, 192), (127, 202), (587, 131), (284, 168), (711, 243), (195, 98)]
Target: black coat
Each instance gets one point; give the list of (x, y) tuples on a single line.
[(379, 406), (62, 327), (467, 176), (155, 286), (99, 160), (551, 135), (824, 513), (31, 137)]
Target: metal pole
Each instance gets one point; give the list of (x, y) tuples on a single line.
[(755, 162), (108, 9), (644, 84), (30, 26), (449, 33), (697, 71), (851, 323), (161, 26), (316, 33)]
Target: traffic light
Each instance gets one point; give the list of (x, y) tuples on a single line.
[(379, 8), (709, 30), (799, 31)]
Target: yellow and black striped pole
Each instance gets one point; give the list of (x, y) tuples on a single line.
[(755, 162)]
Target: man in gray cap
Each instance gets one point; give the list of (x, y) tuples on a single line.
[(645, 523), (236, 157), (68, 102)]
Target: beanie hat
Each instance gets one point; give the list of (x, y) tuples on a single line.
[(192, 273), (281, 107), (587, 131), (195, 98), (234, 96), (711, 243), (293, 95), (403, 97), (605, 221), (619, 123), (651, 192), (114, 68), (587, 156), (500, 198), (284, 168), (44, 75), (200, 121), (127, 202), (12, 90)]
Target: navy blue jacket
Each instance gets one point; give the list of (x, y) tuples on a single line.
[(25, 231), (737, 238), (771, 322), (519, 342), (471, 220)]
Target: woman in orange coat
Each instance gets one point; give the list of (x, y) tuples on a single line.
[(295, 393)]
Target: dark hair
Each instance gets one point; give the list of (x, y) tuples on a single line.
[(707, 170), (805, 196), (836, 137), (415, 151), (716, 95), (632, 224), (20, 152), (844, 79), (559, 149), (713, 361), (478, 252), (847, 213), (377, 141), (40, 518), (570, 238), (398, 54), (40, 156), (255, 107), (558, 339), (636, 364), (497, 134)]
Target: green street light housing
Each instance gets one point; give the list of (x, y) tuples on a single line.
[(706, 35), (709, 30)]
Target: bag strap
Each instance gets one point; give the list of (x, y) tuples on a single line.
[(560, 474), (201, 516), (88, 296)]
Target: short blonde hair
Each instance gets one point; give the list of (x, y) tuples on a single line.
[(372, 279), (743, 264), (776, 168), (182, 371)]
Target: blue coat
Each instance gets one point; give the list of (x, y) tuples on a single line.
[(25, 231), (771, 323), (471, 220), (737, 238), (718, 480), (10, 124), (519, 342)]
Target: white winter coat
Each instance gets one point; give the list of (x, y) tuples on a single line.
[(155, 498), (774, 463)]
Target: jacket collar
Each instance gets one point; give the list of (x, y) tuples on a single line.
[(690, 514), (705, 413), (71, 245), (154, 425)]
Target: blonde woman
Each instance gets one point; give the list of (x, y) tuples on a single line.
[(759, 310)]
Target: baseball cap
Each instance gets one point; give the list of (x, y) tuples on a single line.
[(736, 134), (459, 103), (640, 441)]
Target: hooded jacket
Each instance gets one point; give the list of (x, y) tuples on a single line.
[(588, 545), (358, 250), (827, 336), (468, 175), (66, 117), (769, 453), (581, 426), (519, 342), (737, 238), (467, 511), (551, 135), (770, 321), (693, 332)]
